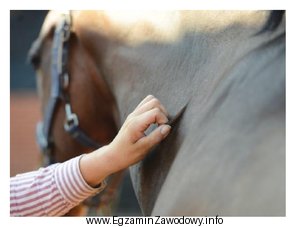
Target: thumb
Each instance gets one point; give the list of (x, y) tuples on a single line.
[(156, 136)]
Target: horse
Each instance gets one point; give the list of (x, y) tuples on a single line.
[(220, 73)]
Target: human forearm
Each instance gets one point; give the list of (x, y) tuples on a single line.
[(50, 191), (96, 166)]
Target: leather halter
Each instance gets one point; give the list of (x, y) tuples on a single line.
[(59, 84)]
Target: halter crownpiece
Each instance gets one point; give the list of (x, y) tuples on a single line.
[(60, 81)]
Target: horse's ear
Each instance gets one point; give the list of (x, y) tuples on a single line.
[(34, 53), (47, 32)]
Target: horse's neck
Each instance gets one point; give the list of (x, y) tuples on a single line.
[(186, 59), (135, 28), (173, 55), (196, 60)]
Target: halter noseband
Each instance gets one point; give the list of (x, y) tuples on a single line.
[(59, 84)]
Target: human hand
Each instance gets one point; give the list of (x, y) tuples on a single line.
[(131, 144)]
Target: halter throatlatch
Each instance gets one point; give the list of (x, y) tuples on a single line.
[(60, 81)]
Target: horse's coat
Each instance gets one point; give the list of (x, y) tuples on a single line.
[(226, 155)]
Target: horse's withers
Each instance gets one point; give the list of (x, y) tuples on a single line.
[(227, 152)]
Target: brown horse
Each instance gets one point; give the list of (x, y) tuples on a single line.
[(226, 154), (98, 119)]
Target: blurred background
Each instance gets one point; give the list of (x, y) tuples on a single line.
[(24, 105), (25, 108)]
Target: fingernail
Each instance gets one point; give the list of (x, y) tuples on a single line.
[(165, 129)]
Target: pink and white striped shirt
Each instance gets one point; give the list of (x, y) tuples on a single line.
[(50, 191)]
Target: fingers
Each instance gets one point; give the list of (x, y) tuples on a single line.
[(148, 98), (155, 137), (153, 116), (150, 104)]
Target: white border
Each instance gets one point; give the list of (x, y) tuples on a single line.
[(129, 4), (152, 4), (5, 117)]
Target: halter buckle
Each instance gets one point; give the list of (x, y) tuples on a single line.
[(71, 121)]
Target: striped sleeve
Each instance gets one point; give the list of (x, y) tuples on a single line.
[(50, 191)]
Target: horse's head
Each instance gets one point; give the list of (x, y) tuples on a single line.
[(87, 92)]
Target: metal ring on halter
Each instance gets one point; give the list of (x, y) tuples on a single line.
[(71, 120)]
